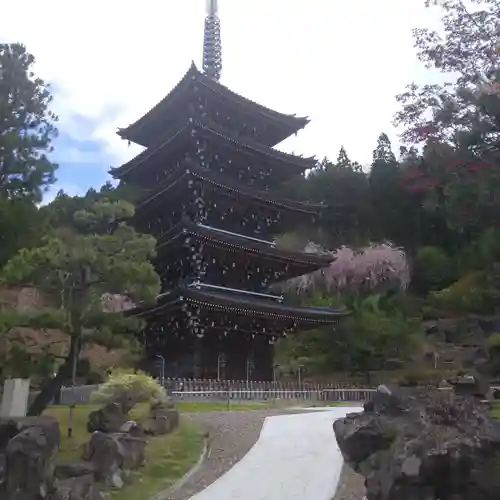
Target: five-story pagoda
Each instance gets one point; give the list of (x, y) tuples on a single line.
[(209, 169)]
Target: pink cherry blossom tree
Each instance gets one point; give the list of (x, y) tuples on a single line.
[(376, 267)]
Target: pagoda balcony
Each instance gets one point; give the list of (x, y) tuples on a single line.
[(196, 92), (216, 149), (219, 257)]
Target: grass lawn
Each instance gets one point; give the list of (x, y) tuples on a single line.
[(209, 406), (168, 458), (495, 411)]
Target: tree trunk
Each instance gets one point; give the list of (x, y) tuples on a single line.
[(51, 388)]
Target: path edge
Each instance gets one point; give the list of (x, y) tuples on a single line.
[(166, 494)]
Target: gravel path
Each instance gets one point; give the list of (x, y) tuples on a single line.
[(351, 485), (231, 435)]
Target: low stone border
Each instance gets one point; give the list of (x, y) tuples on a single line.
[(166, 494)]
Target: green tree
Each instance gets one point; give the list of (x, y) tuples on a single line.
[(27, 126), (97, 254), (22, 225), (343, 188), (390, 205)]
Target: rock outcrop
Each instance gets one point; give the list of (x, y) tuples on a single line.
[(423, 444), (28, 447), (29, 457)]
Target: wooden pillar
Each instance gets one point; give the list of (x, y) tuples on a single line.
[(197, 357), (263, 358), (237, 351)]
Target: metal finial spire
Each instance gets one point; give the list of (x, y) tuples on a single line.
[(212, 48), (212, 7)]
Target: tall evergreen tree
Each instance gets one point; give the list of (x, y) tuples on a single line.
[(343, 188), (386, 193), (27, 126)]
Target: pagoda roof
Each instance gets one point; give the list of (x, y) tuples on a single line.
[(211, 131), (300, 262), (222, 183), (167, 110), (240, 303)]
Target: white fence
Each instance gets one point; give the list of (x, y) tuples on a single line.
[(332, 395), (235, 390)]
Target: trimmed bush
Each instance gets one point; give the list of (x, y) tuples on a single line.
[(128, 388)]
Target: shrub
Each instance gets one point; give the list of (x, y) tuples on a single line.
[(129, 388), (470, 294), (417, 377), (433, 269)]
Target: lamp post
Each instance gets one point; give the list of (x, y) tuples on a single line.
[(300, 375), (275, 367), (162, 369)]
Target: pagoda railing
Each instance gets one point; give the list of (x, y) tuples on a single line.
[(220, 288), (239, 235)]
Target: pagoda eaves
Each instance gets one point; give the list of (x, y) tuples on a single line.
[(178, 139), (176, 106), (242, 252), (252, 305), (189, 170)]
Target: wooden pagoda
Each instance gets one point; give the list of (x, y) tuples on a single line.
[(209, 169)]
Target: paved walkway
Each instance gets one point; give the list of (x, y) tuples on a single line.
[(295, 458)]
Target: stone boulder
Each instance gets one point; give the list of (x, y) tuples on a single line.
[(109, 418), (75, 481), (423, 444), (470, 385), (133, 428), (111, 454), (163, 419), (28, 470)]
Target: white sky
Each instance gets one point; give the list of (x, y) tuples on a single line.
[(339, 62)]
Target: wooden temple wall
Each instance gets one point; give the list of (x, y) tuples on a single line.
[(235, 357)]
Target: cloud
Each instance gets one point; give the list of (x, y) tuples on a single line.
[(341, 63)]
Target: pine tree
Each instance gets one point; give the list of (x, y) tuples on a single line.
[(74, 269)]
